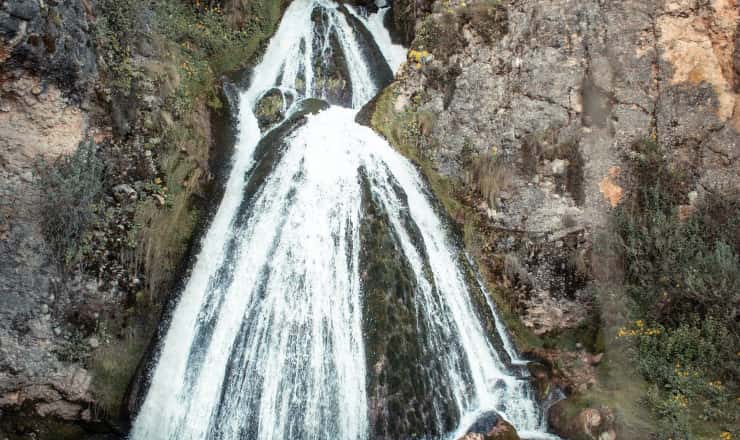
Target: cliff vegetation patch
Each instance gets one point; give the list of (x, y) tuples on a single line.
[(682, 276)]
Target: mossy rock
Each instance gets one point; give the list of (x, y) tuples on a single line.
[(541, 379), (331, 73), (270, 109), (405, 386), (310, 106)]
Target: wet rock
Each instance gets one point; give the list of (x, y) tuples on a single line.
[(491, 426), (310, 106), (270, 109), (381, 72), (390, 303), (61, 409), (541, 378), (331, 74)]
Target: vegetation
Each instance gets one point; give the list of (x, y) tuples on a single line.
[(439, 33), (209, 46), (160, 66), (71, 187), (682, 276), (112, 366), (115, 32)]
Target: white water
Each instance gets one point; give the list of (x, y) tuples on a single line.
[(395, 54), (266, 340)]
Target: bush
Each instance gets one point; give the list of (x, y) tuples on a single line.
[(489, 175), (676, 268), (682, 273), (70, 188), (115, 28), (209, 45)]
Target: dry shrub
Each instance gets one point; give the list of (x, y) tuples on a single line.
[(489, 175), (488, 19)]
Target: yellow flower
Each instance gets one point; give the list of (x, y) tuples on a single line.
[(725, 435), (640, 323)]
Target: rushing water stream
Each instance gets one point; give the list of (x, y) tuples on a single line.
[(285, 329)]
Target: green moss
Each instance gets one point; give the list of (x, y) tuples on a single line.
[(403, 131), (111, 367), (399, 371)]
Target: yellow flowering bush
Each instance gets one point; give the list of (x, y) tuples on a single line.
[(418, 56)]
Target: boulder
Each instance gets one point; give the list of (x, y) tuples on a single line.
[(491, 426), (270, 109), (52, 39), (569, 421)]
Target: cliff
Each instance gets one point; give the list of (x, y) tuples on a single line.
[(112, 131), (530, 119)]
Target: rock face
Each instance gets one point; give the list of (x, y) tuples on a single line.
[(53, 39), (550, 107), (36, 121)]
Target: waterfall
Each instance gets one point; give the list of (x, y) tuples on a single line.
[(272, 336)]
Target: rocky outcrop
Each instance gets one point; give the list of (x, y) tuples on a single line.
[(51, 39), (523, 116), (36, 120), (72, 334), (588, 424), (539, 119)]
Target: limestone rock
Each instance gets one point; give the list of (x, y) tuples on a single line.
[(561, 107)]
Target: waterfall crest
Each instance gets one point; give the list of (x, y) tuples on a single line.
[(272, 334)]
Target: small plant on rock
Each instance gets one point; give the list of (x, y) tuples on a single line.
[(70, 188)]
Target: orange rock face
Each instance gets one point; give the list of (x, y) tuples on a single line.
[(609, 188)]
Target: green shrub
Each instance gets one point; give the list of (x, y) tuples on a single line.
[(682, 273), (70, 187), (115, 27), (209, 45)]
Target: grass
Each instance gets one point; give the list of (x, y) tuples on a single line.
[(111, 366)]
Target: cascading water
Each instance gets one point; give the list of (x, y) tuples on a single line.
[(276, 334)]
